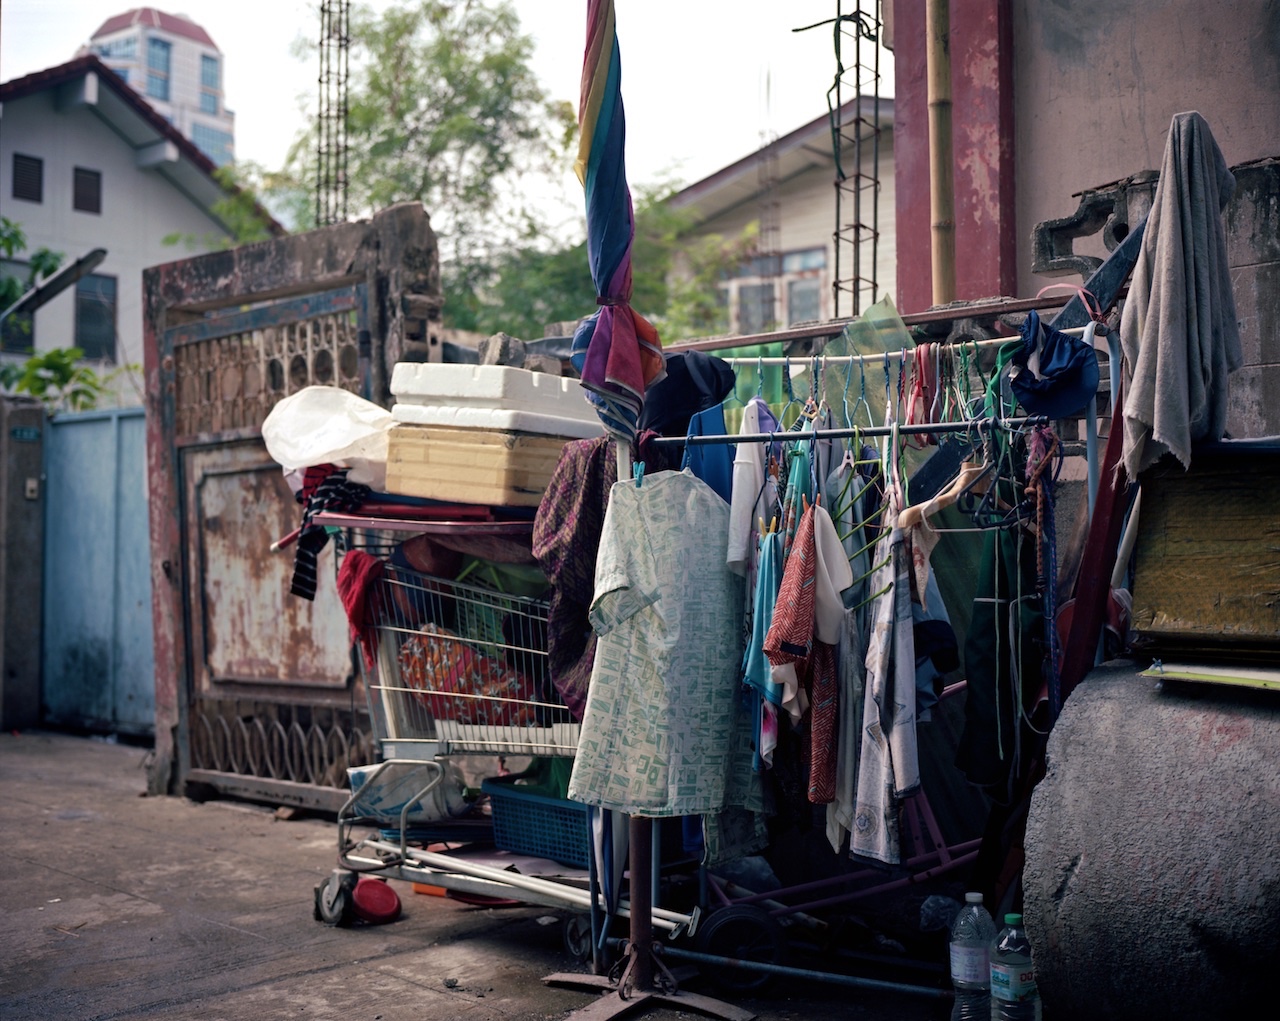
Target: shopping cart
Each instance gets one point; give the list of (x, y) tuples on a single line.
[(460, 669)]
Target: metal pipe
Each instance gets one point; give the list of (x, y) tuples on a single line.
[(790, 436), (804, 973), (641, 903), (941, 176), (662, 918)]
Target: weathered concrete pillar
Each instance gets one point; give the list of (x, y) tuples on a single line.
[(1152, 876)]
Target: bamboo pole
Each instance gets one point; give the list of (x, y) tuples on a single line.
[(941, 178)]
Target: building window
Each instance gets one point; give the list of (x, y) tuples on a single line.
[(120, 49), (96, 317), (217, 145), (28, 178), (804, 300), (209, 76), (210, 84), (808, 258), (756, 311), (17, 332), (158, 54), (87, 191), (122, 73)]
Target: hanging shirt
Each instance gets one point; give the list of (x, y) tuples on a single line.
[(889, 768), (804, 632), (657, 732), (757, 671), (711, 462), (754, 496)]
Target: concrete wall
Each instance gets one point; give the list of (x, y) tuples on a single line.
[(139, 208), (1096, 83)]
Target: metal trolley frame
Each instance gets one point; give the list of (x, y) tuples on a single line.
[(458, 669)]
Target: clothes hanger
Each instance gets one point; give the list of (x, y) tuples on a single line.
[(971, 477)]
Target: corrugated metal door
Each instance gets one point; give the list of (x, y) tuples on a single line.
[(98, 657)]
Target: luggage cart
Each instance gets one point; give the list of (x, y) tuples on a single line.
[(460, 669)]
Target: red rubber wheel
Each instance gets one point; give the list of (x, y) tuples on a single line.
[(375, 902)]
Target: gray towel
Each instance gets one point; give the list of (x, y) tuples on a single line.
[(1179, 329)]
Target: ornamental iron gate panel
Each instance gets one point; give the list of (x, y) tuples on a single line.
[(257, 694)]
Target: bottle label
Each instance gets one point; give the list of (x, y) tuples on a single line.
[(1013, 982), (970, 965)]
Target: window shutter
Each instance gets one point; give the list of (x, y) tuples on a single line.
[(87, 191), (28, 178)]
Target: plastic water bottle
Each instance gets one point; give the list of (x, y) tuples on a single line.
[(972, 934), (1014, 996)]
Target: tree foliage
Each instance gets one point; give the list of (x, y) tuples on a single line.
[(444, 109), (248, 188), (56, 378), (675, 279)]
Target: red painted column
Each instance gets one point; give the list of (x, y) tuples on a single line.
[(982, 140)]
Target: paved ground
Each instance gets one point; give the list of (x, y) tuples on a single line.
[(114, 905)]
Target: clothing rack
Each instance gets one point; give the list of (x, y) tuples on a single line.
[(971, 426), (900, 354)]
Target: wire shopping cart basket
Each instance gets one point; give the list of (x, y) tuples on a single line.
[(462, 668)]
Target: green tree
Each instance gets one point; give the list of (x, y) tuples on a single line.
[(444, 109), (247, 187), (56, 378), (41, 264), (675, 278)]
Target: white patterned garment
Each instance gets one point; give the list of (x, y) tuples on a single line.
[(889, 766), (657, 730)]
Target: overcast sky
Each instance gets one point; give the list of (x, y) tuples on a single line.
[(694, 71)]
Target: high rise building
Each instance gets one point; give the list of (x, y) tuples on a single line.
[(172, 62)]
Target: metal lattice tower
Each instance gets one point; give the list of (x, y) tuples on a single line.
[(331, 120), (857, 184)]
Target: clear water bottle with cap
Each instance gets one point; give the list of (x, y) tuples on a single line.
[(972, 934), (1014, 996)]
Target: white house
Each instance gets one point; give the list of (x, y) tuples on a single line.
[(174, 63), (85, 163), (789, 189)]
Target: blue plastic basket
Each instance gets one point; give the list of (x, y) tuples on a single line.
[(534, 824)]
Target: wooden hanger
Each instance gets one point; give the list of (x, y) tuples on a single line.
[(971, 473)]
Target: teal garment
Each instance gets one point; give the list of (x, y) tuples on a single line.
[(658, 730), (756, 669)]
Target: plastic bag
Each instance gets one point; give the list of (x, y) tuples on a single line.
[(329, 425), (398, 782)]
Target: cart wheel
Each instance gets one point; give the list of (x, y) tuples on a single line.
[(577, 937), (741, 932), (333, 903)]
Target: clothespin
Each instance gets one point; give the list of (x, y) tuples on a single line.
[(773, 525), (637, 472)]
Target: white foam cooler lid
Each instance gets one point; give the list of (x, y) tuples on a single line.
[(491, 397)]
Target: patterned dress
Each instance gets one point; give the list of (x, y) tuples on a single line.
[(657, 735)]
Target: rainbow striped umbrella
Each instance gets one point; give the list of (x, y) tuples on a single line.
[(616, 351)]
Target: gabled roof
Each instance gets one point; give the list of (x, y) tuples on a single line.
[(87, 81), (152, 18), (795, 153)]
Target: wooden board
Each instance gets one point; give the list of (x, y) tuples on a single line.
[(471, 465), (1207, 558)]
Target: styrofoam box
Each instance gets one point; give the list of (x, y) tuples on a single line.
[(492, 397)]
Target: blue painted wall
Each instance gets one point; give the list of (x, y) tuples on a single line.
[(99, 666)]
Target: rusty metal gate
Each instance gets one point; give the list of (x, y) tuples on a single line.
[(256, 691)]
